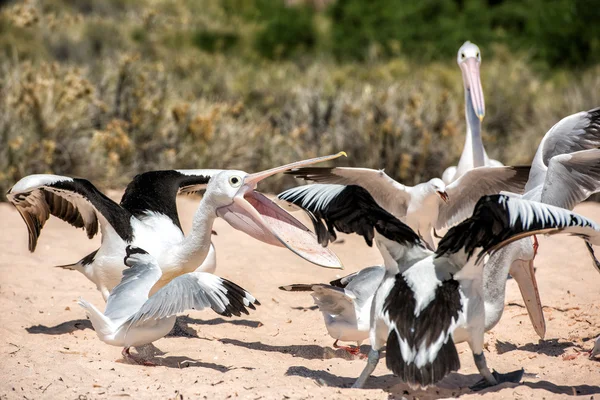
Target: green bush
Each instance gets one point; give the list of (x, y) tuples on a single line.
[(214, 41), (559, 33), (287, 31)]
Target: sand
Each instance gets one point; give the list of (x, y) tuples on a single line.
[(280, 351)]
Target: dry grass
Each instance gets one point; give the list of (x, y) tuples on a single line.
[(86, 94)]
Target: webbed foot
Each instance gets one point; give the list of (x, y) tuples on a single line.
[(513, 377)]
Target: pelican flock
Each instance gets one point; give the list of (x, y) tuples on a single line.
[(427, 296)]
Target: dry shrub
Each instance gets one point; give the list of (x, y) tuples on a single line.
[(142, 103)]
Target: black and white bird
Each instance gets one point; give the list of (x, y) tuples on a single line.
[(345, 304), (147, 218), (132, 318), (423, 207), (428, 299), (565, 171), (473, 154)]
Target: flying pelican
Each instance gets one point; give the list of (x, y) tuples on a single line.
[(565, 171), (423, 207), (148, 218), (133, 319), (427, 298), (473, 155), (345, 304)]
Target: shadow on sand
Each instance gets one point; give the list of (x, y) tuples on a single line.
[(308, 352), (182, 326), (454, 385), (61, 329), (551, 347), (180, 362)]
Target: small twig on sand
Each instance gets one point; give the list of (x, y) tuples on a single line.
[(563, 309)]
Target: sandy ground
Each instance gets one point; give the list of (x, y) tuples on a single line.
[(282, 350)]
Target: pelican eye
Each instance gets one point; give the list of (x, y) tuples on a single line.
[(235, 181), (477, 54), (462, 55)]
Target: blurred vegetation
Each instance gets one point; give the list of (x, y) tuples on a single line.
[(107, 89)]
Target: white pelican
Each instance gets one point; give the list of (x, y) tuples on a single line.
[(148, 218), (426, 298), (133, 319), (345, 304), (473, 155)]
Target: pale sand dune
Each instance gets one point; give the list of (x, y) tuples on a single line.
[(47, 349)]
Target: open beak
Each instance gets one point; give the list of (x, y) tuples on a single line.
[(472, 83), (524, 275), (444, 196), (256, 215)]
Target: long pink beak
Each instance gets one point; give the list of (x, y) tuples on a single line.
[(472, 83), (256, 215), (524, 275)]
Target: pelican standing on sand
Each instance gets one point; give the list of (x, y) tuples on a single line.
[(131, 319), (429, 300), (473, 155), (150, 222)]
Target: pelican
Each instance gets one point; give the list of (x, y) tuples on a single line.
[(565, 171), (132, 319), (427, 298), (423, 207), (147, 218), (345, 304), (473, 155)]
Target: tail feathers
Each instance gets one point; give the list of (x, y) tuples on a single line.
[(298, 287), (79, 265), (102, 325), (73, 267), (446, 361)]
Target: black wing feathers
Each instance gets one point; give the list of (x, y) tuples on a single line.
[(434, 320), (354, 210), (157, 191)]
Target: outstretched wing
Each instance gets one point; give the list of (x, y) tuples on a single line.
[(197, 291), (348, 209), (499, 220), (577, 132), (464, 192), (387, 192), (572, 178), (73, 200)]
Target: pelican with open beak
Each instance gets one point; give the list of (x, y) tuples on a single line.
[(255, 214)]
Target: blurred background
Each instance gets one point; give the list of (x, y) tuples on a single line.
[(105, 89)]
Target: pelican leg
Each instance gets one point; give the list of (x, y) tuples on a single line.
[(372, 361), (350, 349), (493, 378), (136, 360)]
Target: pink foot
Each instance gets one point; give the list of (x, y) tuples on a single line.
[(354, 350)]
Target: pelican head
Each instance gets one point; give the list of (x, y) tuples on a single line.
[(439, 187), (469, 60), (233, 195)]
